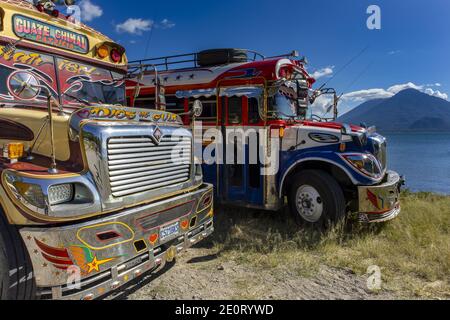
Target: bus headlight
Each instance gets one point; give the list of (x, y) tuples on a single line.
[(366, 164), (65, 198), (60, 194), (30, 194)]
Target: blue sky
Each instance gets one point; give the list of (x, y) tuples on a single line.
[(411, 49)]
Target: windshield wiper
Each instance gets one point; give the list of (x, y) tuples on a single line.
[(85, 102)]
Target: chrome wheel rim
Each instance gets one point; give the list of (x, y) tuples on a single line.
[(309, 203)]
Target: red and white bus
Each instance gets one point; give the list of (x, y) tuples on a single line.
[(326, 170)]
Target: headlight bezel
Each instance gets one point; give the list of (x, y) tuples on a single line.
[(367, 160), (85, 200)]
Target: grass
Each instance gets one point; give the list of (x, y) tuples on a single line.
[(412, 251)]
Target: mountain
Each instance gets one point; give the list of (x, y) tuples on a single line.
[(409, 110)]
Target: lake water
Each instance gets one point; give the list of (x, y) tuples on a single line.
[(423, 158)]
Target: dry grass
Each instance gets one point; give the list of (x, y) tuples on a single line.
[(412, 251)]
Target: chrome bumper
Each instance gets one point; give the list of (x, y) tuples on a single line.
[(381, 203), (87, 261)]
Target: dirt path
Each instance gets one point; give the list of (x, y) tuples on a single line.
[(200, 275)]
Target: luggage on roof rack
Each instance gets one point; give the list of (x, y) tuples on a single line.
[(215, 57)]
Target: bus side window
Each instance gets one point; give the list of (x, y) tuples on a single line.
[(209, 109), (145, 102), (253, 111), (174, 104), (235, 110)]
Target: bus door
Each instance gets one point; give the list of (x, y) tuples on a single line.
[(240, 176)]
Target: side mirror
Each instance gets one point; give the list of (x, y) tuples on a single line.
[(313, 97), (24, 85), (197, 109)]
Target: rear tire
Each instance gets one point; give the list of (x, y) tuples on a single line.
[(316, 200), (16, 272)]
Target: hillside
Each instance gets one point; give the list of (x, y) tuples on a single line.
[(409, 110)]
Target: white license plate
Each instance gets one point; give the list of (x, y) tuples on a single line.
[(169, 231)]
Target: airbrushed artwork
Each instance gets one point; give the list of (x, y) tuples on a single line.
[(168, 161)]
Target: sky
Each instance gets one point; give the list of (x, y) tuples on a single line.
[(411, 50)]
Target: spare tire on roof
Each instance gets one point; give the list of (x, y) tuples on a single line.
[(217, 57)]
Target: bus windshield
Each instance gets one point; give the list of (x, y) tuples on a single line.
[(283, 104), (75, 83), (84, 84)]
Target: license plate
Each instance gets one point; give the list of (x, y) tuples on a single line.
[(169, 231)]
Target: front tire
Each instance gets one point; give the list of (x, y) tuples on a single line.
[(317, 200), (16, 271)]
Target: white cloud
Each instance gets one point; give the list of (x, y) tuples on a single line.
[(90, 11), (436, 93), (166, 24), (423, 88), (394, 52), (366, 95), (401, 87), (324, 72), (322, 103), (430, 85), (135, 26)]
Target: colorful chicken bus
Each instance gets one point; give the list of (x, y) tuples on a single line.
[(325, 170), (93, 194)]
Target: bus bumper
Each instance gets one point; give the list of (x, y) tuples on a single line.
[(89, 260), (381, 203)]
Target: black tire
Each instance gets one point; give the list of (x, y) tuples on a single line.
[(215, 57), (332, 200), (16, 272)]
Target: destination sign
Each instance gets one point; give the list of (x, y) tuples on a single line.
[(41, 32)]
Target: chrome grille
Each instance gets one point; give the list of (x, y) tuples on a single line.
[(138, 164)]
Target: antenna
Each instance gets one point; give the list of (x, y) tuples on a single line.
[(344, 67), (150, 36)]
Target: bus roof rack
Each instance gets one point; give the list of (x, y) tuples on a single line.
[(205, 58)]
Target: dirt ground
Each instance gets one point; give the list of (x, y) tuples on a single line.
[(256, 255), (200, 274)]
